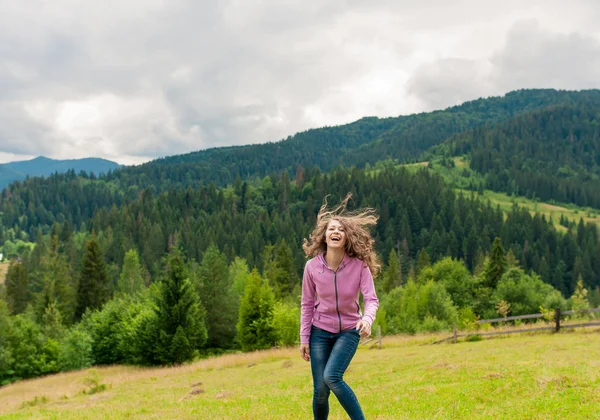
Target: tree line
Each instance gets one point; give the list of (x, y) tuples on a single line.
[(166, 277)]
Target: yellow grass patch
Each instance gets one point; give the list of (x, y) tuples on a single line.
[(415, 164), (459, 162), (3, 271)]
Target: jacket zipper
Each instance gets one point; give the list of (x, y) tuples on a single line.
[(336, 299)]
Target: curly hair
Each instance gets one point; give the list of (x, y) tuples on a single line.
[(359, 243)]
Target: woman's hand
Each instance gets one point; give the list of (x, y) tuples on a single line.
[(364, 327), (305, 351)]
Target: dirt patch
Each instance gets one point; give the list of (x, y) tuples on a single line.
[(223, 394), (443, 365), (493, 375)]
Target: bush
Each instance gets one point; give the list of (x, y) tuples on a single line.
[(525, 293), (27, 351), (286, 321), (455, 277), (467, 319), (255, 324), (432, 324), (414, 308), (76, 350)]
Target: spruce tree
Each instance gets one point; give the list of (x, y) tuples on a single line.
[(179, 329), (93, 289), (238, 273), (392, 277), (17, 292), (130, 280), (496, 265), (255, 324), (218, 298), (422, 261), (58, 287), (287, 275)]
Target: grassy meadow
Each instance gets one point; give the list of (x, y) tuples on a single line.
[(461, 176), (555, 211), (522, 376)]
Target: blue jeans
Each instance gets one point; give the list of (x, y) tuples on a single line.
[(330, 355)]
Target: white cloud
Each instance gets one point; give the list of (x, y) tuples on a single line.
[(130, 80)]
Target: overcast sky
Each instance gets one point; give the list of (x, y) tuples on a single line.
[(132, 80)]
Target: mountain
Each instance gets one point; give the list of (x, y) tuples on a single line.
[(43, 166), (365, 141), (369, 140)]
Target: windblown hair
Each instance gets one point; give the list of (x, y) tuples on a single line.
[(359, 243)]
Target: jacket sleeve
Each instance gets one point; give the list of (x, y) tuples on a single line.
[(307, 305), (367, 288)]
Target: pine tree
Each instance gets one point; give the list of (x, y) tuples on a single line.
[(58, 287), (392, 277), (422, 261), (17, 292), (93, 289), (218, 298), (287, 275), (179, 327), (255, 324), (130, 280), (496, 265)]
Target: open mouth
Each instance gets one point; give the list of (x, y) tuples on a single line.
[(335, 239)]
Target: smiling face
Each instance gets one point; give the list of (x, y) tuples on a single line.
[(335, 235)]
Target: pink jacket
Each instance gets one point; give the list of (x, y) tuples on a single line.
[(330, 298)]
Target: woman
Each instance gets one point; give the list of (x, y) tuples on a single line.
[(343, 264)]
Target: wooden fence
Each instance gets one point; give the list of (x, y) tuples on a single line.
[(556, 319)]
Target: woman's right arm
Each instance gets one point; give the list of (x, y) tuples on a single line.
[(307, 305)]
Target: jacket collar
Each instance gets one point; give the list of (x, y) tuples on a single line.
[(343, 264)]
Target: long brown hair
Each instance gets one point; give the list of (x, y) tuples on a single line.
[(359, 243)]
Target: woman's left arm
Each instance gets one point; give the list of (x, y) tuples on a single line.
[(367, 288)]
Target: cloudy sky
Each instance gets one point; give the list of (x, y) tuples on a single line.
[(132, 80)]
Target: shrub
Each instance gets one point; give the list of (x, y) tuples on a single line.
[(286, 322), (76, 350)]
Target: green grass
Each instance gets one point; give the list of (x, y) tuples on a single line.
[(554, 211), (462, 178), (529, 376)]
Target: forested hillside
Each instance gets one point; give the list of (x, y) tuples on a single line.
[(39, 202), (551, 154), (366, 141), (106, 271)]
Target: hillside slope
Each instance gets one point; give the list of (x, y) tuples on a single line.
[(551, 154)]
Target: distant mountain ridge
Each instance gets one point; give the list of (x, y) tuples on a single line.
[(43, 166)]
